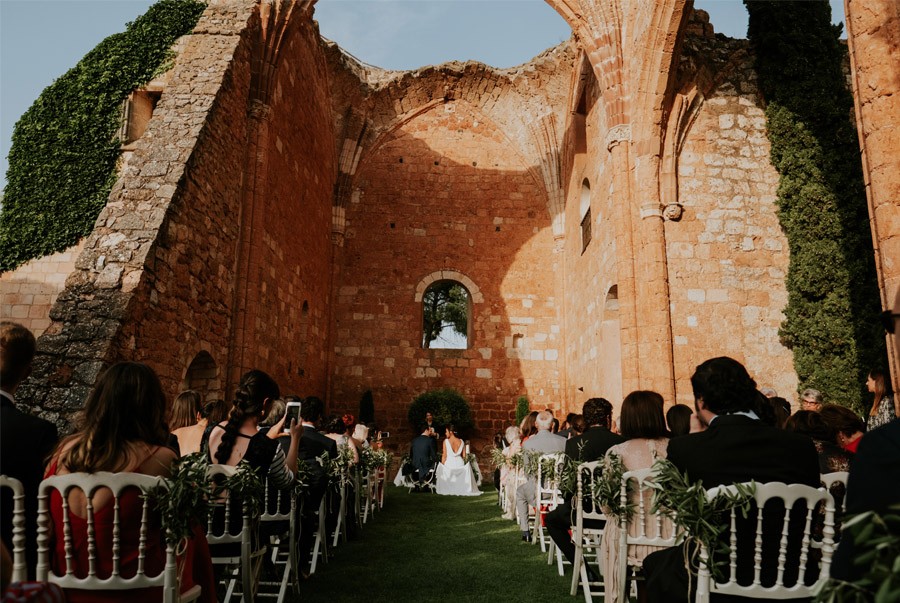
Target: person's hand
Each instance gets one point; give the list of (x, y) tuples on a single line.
[(275, 430), (296, 429)]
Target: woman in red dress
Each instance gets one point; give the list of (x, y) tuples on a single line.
[(124, 431)]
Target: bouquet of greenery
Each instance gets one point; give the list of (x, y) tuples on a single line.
[(184, 500), (700, 521), (530, 463), (337, 469), (303, 477), (246, 484), (498, 459), (606, 490), (381, 459), (876, 540), (367, 460)]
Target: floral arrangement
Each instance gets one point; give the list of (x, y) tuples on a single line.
[(338, 468), (498, 459)]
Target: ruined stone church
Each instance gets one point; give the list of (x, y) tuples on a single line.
[(608, 207)]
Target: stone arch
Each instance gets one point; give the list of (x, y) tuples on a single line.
[(202, 375), (449, 275)]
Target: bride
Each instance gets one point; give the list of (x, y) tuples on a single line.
[(454, 475)]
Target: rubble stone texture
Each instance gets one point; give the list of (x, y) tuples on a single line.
[(288, 206)]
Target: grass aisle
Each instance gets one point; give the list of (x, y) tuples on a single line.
[(425, 546)]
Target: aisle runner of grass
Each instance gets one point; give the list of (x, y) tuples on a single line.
[(427, 547)]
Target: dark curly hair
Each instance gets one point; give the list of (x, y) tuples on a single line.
[(249, 399), (725, 386), (597, 411)]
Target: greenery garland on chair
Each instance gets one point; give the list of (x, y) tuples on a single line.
[(876, 539), (606, 490), (699, 521), (62, 163), (185, 499)]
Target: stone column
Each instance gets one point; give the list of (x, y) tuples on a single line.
[(873, 36)]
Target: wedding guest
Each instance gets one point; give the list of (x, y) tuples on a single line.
[(508, 472), (678, 418), (768, 392), (873, 484), (312, 446), (188, 421), (25, 440), (360, 436), (736, 447), (123, 431), (781, 408), (847, 425), (831, 456), (336, 429), (589, 446), (567, 425), (644, 428), (811, 399), (217, 411), (579, 426), (885, 407), (527, 426), (276, 412), (541, 443)]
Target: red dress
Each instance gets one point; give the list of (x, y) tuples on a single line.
[(197, 559)]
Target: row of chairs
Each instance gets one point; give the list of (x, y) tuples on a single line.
[(646, 528), (242, 549)]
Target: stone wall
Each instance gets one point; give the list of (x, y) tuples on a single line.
[(727, 255), (446, 192), (28, 292)]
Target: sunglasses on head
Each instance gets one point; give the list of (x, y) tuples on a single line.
[(889, 320)]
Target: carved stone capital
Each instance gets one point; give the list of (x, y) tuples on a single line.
[(617, 134)]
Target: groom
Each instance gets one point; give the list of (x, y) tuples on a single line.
[(423, 454), (543, 442)]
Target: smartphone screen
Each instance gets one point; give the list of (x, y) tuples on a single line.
[(293, 412), (385, 434)]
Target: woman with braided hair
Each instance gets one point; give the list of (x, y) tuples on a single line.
[(239, 437)]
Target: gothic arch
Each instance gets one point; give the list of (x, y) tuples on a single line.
[(202, 375)]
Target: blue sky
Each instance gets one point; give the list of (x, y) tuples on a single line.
[(41, 39)]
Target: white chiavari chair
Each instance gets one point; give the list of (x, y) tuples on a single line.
[(20, 569), (789, 495), (95, 528), (587, 539)]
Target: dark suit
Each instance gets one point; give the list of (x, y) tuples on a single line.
[(312, 446), (734, 449), (873, 485), (25, 443), (423, 454), (589, 446)]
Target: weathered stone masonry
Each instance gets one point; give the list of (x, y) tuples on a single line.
[(288, 205)]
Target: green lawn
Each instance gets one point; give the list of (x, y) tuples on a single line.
[(425, 546)]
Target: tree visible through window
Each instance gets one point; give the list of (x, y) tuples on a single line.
[(445, 316)]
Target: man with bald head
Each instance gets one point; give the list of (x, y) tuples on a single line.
[(543, 442)]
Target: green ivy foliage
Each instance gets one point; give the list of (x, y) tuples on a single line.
[(833, 301), (62, 163)]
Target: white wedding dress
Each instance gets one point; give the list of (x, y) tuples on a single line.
[(456, 477)]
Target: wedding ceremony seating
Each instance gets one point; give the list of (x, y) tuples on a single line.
[(235, 546), (19, 568), (789, 558), (128, 545), (547, 494), (644, 528), (587, 540), (279, 522)]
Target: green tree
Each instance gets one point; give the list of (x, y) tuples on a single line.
[(831, 318), (446, 304)]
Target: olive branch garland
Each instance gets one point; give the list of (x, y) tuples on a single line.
[(606, 490), (184, 499), (700, 521), (876, 540)]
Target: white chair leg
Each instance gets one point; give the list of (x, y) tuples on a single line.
[(576, 569)]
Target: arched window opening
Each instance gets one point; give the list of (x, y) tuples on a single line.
[(611, 308), (585, 211), (586, 92), (446, 309), (202, 376)]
